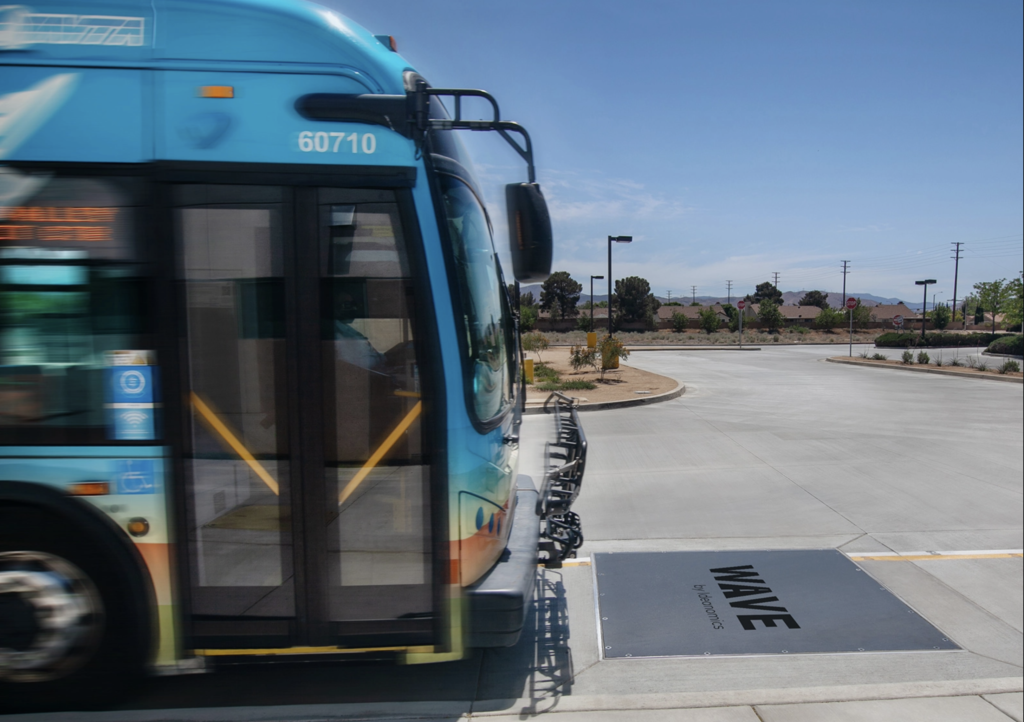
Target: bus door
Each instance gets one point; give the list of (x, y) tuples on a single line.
[(306, 484)]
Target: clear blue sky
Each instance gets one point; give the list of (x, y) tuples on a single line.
[(737, 138)]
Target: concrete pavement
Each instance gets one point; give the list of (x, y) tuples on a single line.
[(769, 450)]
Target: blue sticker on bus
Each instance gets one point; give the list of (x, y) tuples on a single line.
[(136, 476)]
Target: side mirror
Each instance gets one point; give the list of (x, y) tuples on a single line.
[(529, 227)]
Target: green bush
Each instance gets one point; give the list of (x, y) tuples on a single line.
[(585, 323), (908, 357), (527, 318), (578, 385), (543, 372), (709, 321), (982, 366), (880, 357), (611, 349), (1009, 345), (1009, 365), (923, 358), (800, 330), (829, 318), (956, 362), (935, 340), (678, 322)]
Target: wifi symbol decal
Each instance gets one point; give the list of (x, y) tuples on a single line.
[(135, 417)]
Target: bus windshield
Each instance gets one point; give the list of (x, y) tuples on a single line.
[(480, 287)]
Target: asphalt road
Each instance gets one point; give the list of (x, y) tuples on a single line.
[(774, 449)]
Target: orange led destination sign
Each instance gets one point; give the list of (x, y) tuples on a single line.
[(52, 223)]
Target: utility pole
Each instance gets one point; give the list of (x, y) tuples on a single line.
[(729, 286), (694, 289), (846, 269), (776, 284), (956, 271), (669, 292)]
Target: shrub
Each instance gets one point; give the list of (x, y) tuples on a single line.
[(800, 330), (581, 357), (938, 361), (1009, 365), (864, 354), (769, 315), (535, 343), (956, 362), (584, 322), (923, 358), (908, 357), (578, 385), (543, 372), (829, 318), (611, 349), (972, 363), (935, 340), (982, 366), (880, 357), (941, 316), (1009, 345), (678, 322)]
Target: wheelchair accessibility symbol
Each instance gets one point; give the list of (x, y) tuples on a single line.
[(136, 476)]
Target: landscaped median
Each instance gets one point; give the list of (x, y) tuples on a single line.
[(615, 388), (969, 367)]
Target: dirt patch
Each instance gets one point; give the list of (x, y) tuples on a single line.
[(619, 384)]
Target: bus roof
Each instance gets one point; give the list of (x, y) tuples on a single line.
[(192, 34)]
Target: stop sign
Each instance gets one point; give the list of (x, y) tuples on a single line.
[(851, 303), (742, 305)]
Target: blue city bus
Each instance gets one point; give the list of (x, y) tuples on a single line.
[(260, 386)]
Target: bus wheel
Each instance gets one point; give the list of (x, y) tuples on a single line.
[(70, 631)]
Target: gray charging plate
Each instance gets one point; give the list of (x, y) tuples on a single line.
[(672, 604)]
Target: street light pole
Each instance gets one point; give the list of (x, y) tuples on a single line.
[(613, 239), (592, 300), (924, 302)]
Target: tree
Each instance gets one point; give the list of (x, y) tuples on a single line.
[(672, 303), (612, 350), (766, 292), (1015, 304), (993, 297), (734, 316), (679, 322), (941, 316), (709, 320), (535, 343), (814, 298), (560, 295), (527, 318), (829, 318), (696, 303), (769, 315), (527, 299), (634, 301)]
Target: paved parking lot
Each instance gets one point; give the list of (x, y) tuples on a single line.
[(775, 449)]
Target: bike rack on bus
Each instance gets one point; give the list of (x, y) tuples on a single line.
[(567, 459)]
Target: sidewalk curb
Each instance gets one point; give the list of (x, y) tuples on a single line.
[(675, 393), (951, 372), (751, 697)]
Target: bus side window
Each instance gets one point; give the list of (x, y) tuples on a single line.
[(71, 291)]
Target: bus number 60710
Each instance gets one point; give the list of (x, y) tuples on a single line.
[(335, 142)]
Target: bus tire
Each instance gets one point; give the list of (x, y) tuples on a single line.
[(75, 633)]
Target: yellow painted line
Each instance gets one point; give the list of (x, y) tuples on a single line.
[(407, 394), (932, 557), (295, 650), (231, 440), (380, 452)]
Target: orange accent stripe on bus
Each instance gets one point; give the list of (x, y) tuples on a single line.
[(380, 452), (231, 440)]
